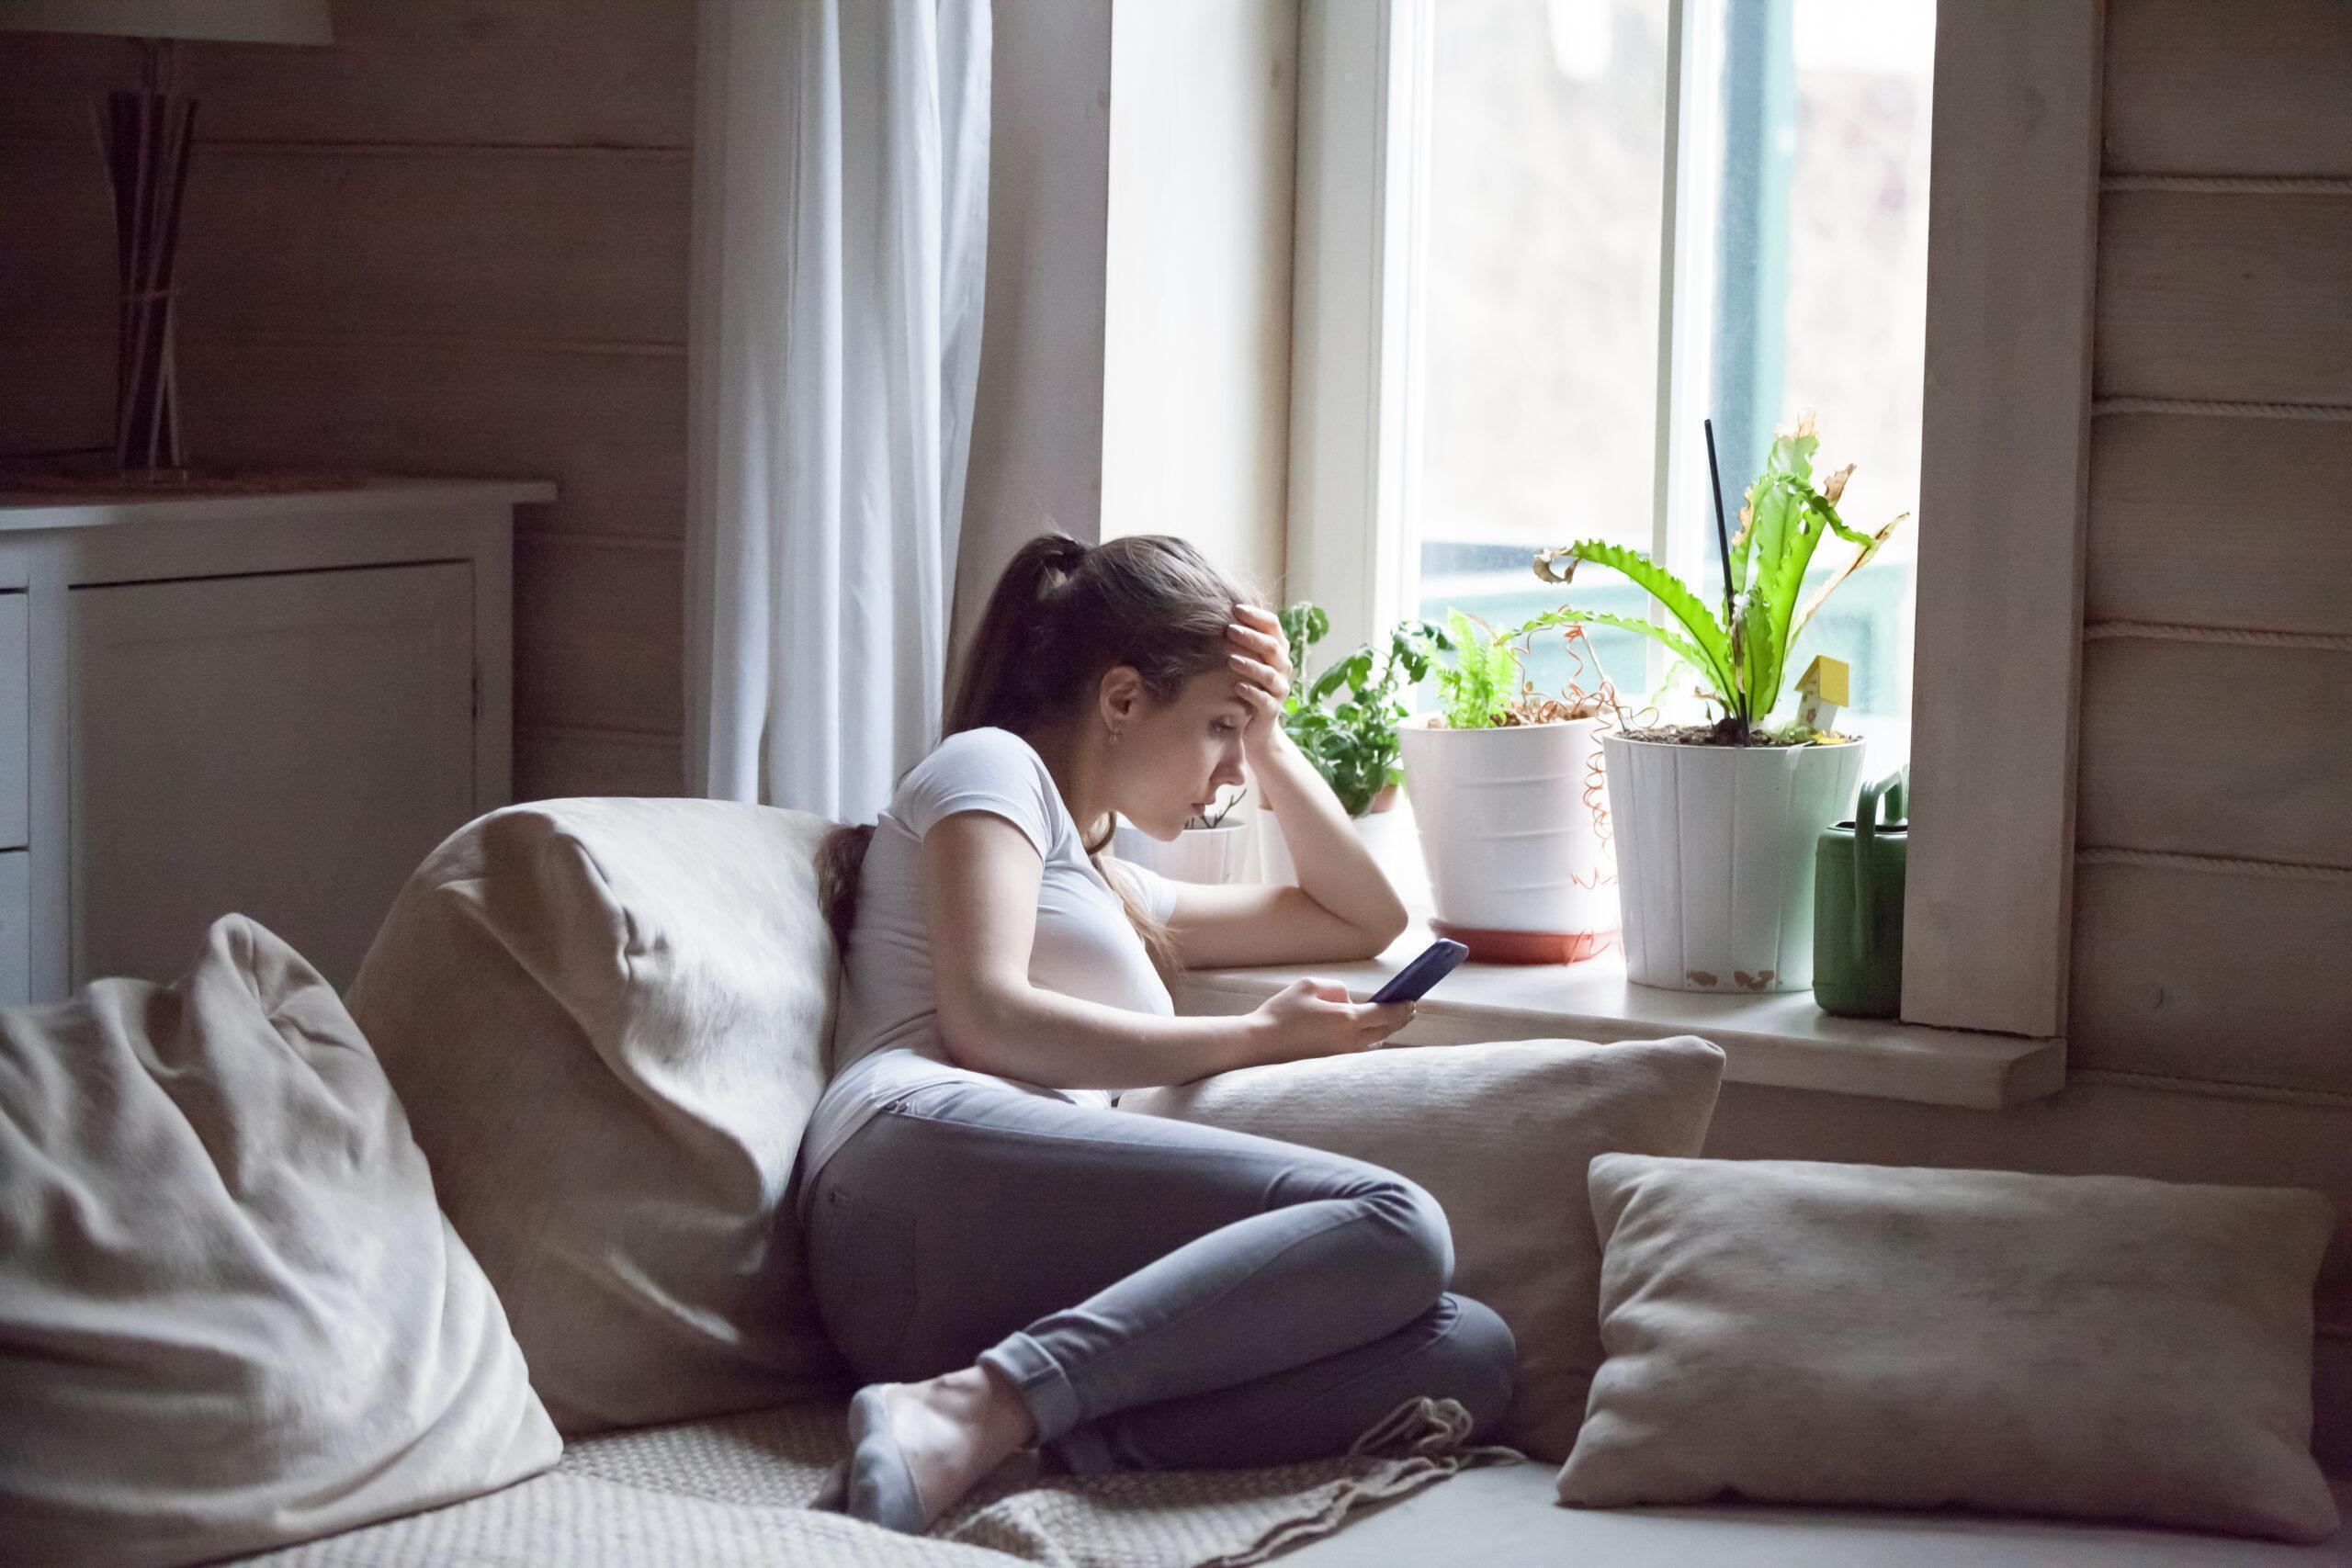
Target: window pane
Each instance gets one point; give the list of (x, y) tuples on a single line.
[(1539, 294), (1820, 298), (1539, 290)]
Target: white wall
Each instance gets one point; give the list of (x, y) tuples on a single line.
[(1196, 390), (1135, 359), (1037, 427)]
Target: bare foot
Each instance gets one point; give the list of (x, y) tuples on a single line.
[(953, 1430)]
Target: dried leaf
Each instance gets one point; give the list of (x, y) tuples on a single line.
[(1837, 485)]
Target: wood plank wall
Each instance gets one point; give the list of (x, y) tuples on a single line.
[(2214, 894), (453, 242), (2209, 1030)]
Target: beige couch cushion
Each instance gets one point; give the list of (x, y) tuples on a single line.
[(608, 1019), (2103, 1347), (231, 1316), (1501, 1135)]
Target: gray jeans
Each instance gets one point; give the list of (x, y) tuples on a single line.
[(1163, 1295)]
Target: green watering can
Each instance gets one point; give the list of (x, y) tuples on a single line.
[(1857, 908)]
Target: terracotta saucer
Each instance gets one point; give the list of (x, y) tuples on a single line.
[(1525, 947)]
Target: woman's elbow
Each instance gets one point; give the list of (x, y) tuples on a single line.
[(973, 1028), (1385, 928)]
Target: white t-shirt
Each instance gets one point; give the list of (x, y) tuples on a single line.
[(888, 1041)]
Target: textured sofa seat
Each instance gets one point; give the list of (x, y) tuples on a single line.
[(621, 1502), (1504, 1517)]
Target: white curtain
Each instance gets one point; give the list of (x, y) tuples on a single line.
[(840, 229)]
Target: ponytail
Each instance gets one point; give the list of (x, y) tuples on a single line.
[(1009, 671), (841, 862)]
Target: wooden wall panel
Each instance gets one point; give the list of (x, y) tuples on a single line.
[(599, 638), (538, 243), (2218, 750), (562, 72), (2206, 522), (2232, 976), (453, 242), (55, 395), (608, 428), (2229, 86), (565, 762), (2225, 294)]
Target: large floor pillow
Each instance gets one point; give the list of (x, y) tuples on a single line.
[(2101, 1346), (231, 1315), (608, 1021), (1501, 1135)]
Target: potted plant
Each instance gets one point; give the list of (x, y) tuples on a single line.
[(1508, 793), (1213, 848), (1345, 722), (1715, 824)]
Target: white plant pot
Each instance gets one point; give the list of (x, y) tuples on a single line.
[(1212, 855), (1715, 858), (1509, 834), (1381, 830)]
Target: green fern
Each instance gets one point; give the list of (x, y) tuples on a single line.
[(1484, 676)]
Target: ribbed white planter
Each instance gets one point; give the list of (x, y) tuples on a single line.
[(1212, 855), (1507, 834), (1715, 858)]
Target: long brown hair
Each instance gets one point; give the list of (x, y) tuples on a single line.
[(1062, 614)]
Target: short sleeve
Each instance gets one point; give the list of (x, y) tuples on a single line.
[(1156, 893), (981, 770)]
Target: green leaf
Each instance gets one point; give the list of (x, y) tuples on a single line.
[(1710, 639), (1483, 677), (1802, 519), (1681, 647), (1869, 547)]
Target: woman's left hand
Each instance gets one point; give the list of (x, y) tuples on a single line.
[(1260, 661)]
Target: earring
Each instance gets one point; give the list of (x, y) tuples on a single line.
[(1115, 737)]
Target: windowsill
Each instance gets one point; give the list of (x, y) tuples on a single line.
[(1782, 1041)]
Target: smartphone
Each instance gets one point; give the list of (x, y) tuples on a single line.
[(1412, 983)]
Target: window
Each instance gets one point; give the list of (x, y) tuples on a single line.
[(2002, 436), (1788, 240)]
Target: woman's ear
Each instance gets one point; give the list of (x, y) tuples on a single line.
[(1120, 697)]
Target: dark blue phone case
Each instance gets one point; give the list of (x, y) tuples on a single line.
[(1413, 982)]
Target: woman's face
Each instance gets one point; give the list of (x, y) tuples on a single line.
[(1172, 758)]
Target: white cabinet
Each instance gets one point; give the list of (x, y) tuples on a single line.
[(270, 705), (287, 745)]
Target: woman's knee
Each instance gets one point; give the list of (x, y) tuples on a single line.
[(1478, 1361), (1420, 1240)]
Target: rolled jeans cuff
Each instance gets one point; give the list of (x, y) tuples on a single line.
[(1039, 1380)]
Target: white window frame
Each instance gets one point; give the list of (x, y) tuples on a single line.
[(2005, 443)]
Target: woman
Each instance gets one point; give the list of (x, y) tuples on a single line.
[(1004, 1257)]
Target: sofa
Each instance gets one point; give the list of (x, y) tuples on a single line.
[(603, 1022)]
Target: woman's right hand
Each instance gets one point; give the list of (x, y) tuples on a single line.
[(1314, 1018)]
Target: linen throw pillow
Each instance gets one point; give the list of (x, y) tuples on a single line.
[(608, 1020), (1499, 1135), (2098, 1346), (231, 1316)]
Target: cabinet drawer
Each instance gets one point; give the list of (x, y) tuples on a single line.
[(16, 930), (16, 702)]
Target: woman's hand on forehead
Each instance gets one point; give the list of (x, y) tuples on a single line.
[(1260, 661)]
